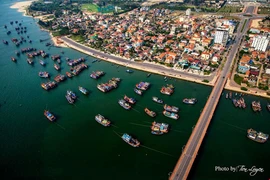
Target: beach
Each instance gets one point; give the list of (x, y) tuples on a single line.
[(21, 6)]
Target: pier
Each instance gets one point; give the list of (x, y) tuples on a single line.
[(189, 153)]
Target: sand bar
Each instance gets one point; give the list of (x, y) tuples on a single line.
[(21, 6)]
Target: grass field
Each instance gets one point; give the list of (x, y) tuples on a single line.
[(90, 7), (264, 10), (230, 9)]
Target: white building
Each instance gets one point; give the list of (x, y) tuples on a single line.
[(221, 37), (260, 43), (188, 12)]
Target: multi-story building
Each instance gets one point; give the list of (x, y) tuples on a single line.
[(260, 43), (221, 37)]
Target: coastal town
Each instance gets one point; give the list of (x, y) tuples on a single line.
[(139, 70), (182, 41)]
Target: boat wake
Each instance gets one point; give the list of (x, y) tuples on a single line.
[(117, 134), (179, 131), (158, 151), (114, 126), (242, 129), (60, 126), (140, 125), (136, 110)]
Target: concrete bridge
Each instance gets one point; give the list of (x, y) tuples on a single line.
[(191, 149)]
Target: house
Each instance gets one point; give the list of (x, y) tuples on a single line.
[(243, 67), (205, 56)]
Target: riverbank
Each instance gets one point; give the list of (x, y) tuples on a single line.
[(230, 87), (156, 69), (21, 6), (143, 66)]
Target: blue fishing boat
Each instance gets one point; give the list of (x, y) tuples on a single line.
[(71, 94), (83, 90), (131, 141)]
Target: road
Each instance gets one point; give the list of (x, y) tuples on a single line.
[(250, 9), (142, 66), (189, 154)]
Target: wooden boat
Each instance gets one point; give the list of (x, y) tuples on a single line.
[(149, 112)]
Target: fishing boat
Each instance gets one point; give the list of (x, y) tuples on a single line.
[(190, 101), (69, 99), (43, 74), (166, 90), (143, 86), (242, 102), (106, 87), (116, 79), (55, 57), (170, 86), (149, 112), (44, 55), (257, 136), (129, 71), (235, 102), (129, 100), (57, 67), (171, 108), (49, 115), (137, 91), (96, 74), (268, 106), (131, 141), (59, 78), (69, 74), (159, 128), (170, 115), (13, 59), (5, 42), (47, 44), (102, 120), (124, 104), (58, 61), (157, 100), (49, 85), (71, 94), (230, 95), (42, 62), (256, 106), (30, 61), (83, 90)]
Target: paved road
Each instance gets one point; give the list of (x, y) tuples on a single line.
[(189, 154), (143, 66), (250, 9)]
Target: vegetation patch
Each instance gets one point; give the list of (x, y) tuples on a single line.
[(89, 7), (78, 38), (205, 81), (244, 88), (243, 25), (264, 10), (230, 9), (238, 79)]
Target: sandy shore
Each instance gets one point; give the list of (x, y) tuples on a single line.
[(57, 41), (21, 6)]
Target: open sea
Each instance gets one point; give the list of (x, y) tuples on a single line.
[(77, 147)]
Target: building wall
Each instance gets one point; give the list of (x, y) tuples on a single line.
[(221, 37), (260, 43)]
